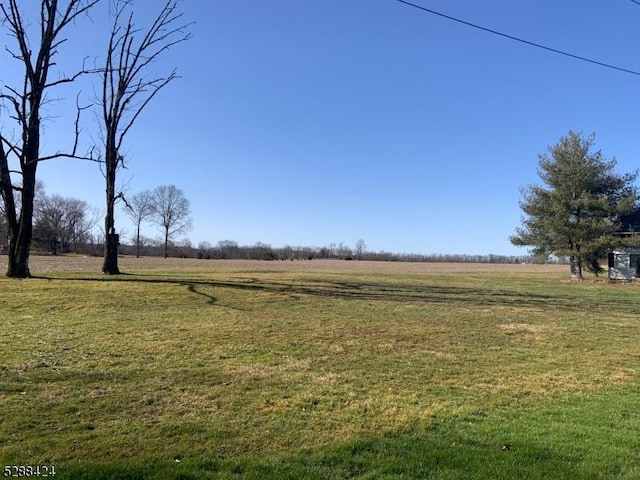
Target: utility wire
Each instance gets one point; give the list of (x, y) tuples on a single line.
[(527, 42)]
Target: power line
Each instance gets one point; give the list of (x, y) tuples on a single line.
[(527, 42)]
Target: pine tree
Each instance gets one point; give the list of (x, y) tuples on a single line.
[(578, 211)]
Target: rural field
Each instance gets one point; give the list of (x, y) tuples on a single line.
[(202, 369)]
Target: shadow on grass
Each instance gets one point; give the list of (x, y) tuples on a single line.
[(191, 286), (574, 301)]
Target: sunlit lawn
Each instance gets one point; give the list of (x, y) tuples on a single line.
[(307, 374)]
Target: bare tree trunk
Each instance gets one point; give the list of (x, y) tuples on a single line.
[(19, 228), (575, 263), (138, 241), (166, 242), (19, 250), (110, 265), (21, 233)]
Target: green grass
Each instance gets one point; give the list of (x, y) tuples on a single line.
[(241, 374)]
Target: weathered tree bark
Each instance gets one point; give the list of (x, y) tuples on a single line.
[(110, 265), (21, 228), (20, 237), (18, 264)]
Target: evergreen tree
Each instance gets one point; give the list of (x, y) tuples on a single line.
[(581, 206)]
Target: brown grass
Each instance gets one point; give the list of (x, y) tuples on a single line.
[(71, 263)]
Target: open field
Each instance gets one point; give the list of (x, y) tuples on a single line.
[(186, 369), (46, 264)]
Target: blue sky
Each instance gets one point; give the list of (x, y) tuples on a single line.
[(316, 122)]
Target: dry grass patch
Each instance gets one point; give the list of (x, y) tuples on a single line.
[(524, 327)]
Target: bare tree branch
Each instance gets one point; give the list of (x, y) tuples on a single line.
[(54, 156), (124, 77), (13, 148), (6, 187)]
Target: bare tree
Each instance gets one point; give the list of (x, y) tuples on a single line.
[(228, 249), (127, 90), (139, 208), (25, 101), (62, 222), (204, 249), (361, 246), (344, 252), (171, 212)]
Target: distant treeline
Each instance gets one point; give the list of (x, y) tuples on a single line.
[(231, 250)]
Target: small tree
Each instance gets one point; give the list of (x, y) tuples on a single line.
[(361, 246), (139, 208), (579, 210), (170, 212)]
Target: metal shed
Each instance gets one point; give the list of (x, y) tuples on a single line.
[(624, 263)]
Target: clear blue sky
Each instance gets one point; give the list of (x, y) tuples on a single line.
[(312, 122)]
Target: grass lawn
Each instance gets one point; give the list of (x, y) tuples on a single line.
[(326, 373)]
